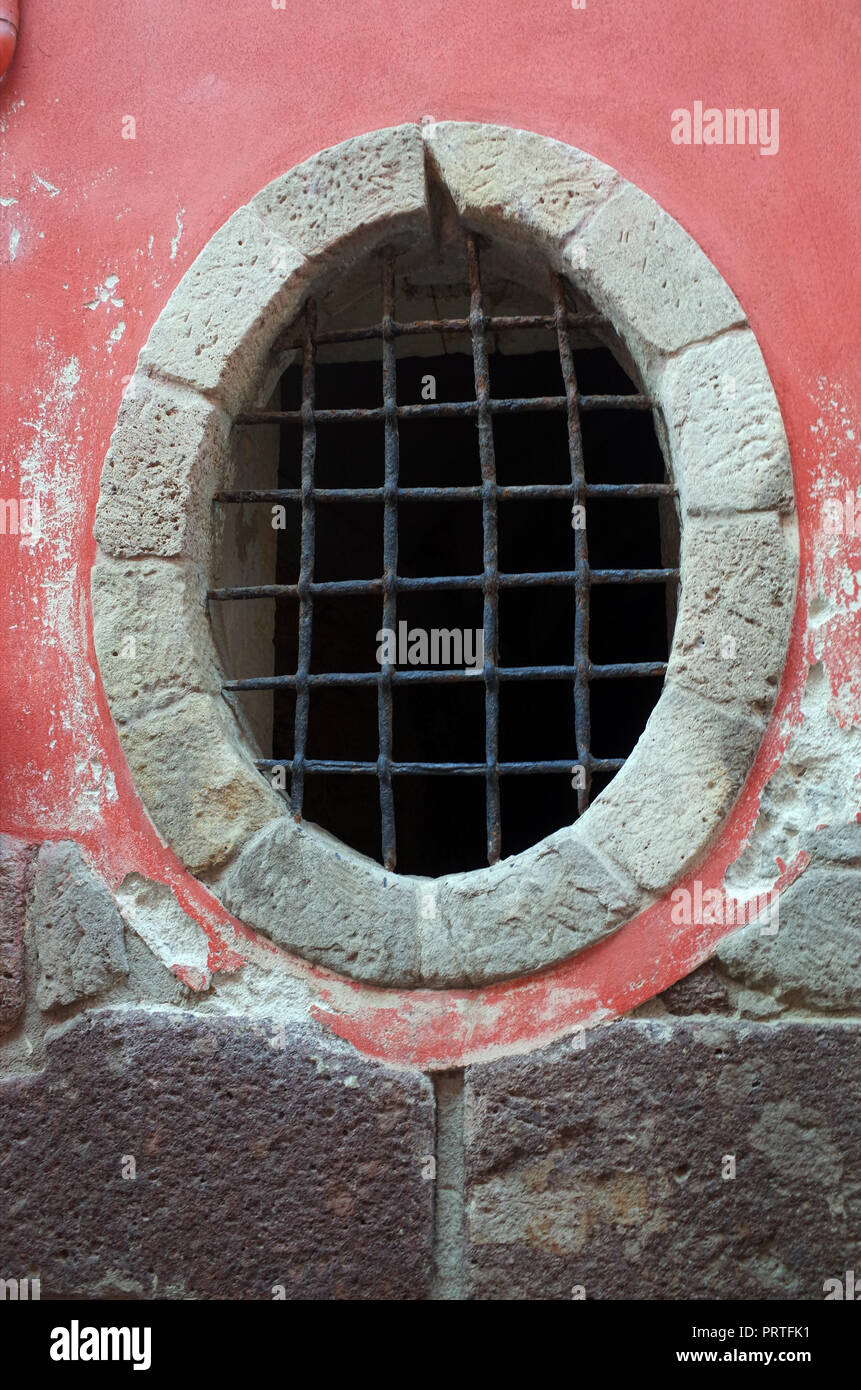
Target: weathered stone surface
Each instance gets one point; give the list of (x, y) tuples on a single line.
[(602, 1168), (200, 787), (220, 322), (167, 453), (310, 893), (313, 895), (262, 1159), (725, 433), (76, 927), (346, 200), (644, 271), (835, 844), (701, 992), (15, 859), (515, 184), (814, 958), (659, 812), (552, 901), (735, 609), (152, 635)]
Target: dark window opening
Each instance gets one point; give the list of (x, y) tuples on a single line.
[(434, 775)]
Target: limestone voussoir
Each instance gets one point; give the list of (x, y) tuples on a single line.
[(307, 891), (218, 326), (201, 788), (659, 813), (517, 185), (644, 271), (735, 609), (724, 430), (346, 201), (553, 900), (152, 634), (168, 450)]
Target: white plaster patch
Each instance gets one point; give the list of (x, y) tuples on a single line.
[(815, 785), (151, 910)]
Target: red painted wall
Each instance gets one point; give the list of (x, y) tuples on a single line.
[(225, 97)]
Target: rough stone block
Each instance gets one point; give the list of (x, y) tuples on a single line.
[(15, 859), (660, 811), (169, 450), (814, 958), (725, 433), (515, 184), (263, 1160), (602, 1169), (77, 929), (701, 992), (554, 900), (346, 200), (735, 609), (200, 787), (152, 635), (312, 894), (642, 270), (220, 322)]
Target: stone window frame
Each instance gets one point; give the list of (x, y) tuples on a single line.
[(682, 333)]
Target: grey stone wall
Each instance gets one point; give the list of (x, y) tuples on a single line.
[(704, 1147)]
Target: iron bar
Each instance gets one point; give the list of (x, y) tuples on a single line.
[(445, 409), (426, 675), (564, 765), (406, 583), (495, 324), (490, 578), (306, 566), (390, 561), (536, 492), (581, 552)]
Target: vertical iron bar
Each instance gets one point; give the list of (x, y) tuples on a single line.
[(306, 563), (390, 559), (581, 550), (490, 585)]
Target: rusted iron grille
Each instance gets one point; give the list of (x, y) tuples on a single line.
[(581, 672)]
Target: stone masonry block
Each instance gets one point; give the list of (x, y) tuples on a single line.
[(659, 812), (263, 1160), (15, 859), (169, 450), (220, 322), (312, 894), (602, 1168), (725, 433), (556, 899), (814, 958), (515, 184), (152, 634), (347, 200), (201, 788), (642, 270), (77, 929), (735, 608)]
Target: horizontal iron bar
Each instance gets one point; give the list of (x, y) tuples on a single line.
[(519, 493), (500, 324), (444, 409), (429, 675), (441, 769), (545, 578)]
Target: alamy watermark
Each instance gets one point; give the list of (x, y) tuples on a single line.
[(710, 907), (439, 646), (735, 125)]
